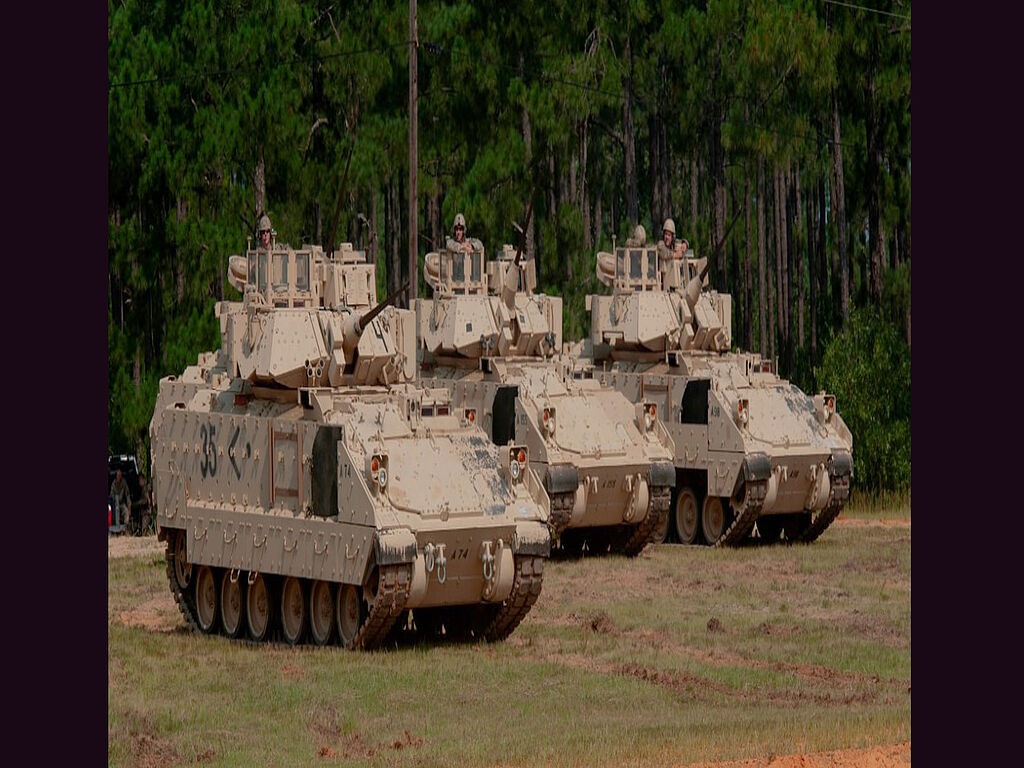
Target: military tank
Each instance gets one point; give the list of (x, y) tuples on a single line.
[(494, 343), (307, 490), (751, 449)]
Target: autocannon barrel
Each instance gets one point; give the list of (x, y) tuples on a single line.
[(357, 323)]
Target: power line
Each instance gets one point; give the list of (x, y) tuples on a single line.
[(865, 8), (211, 74)]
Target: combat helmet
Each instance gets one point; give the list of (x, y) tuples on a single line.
[(264, 223), (670, 226), (459, 220)]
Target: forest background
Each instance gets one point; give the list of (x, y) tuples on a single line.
[(777, 129)]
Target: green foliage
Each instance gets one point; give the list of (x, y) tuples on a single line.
[(867, 367)]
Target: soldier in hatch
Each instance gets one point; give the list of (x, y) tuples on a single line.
[(458, 241)]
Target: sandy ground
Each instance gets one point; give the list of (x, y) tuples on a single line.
[(124, 545), (893, 756)]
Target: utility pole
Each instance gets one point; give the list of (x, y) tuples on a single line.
[(413, 158)]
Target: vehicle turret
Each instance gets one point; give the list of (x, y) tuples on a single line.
[(658, 305), (303, 319), (480, 312)]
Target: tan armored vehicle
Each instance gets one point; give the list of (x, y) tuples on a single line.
[(750, 447), (492, 342), (305, 488)]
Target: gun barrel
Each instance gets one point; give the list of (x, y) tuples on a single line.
[(366, 319)]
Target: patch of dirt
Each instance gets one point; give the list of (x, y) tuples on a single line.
[(146, 748), (892, 756), (353, 746), (714, 625), (681, 682), (159, 614), (407, 740), (348, 747), (601, 622), (767, 628), (126, 546)]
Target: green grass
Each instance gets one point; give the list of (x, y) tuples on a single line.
[(616, 665)]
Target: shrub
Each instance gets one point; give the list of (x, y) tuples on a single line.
[(867, 367)]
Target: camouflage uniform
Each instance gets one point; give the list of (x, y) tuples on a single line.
[(456, 247), (122, 498)]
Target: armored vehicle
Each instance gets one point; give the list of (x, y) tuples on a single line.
[(750, 447), (493, 342), (306, 488)]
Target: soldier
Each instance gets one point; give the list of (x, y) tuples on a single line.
[(458, 241), (122, 499), (264, 232), (638, 238), (144, 506), (669, 248)]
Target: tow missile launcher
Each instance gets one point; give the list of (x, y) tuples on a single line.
[(307, 489), (494, 343), (750, 447)]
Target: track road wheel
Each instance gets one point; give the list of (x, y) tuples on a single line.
[(714, 519), (293, 610), (182, 567), (351, 613), (686, 516), (258, 608), (321, 612), (206, 599), (232, 607), (660, 535), (769, 527)]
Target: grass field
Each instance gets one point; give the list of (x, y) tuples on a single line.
[(680, 655)]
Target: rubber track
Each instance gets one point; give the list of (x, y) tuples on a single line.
[(184, 602), (837, 497), (561, 511), (525, 591), (392, 594), (745, 518), (642, 534)]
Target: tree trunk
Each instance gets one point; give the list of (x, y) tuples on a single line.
[(584, 200), (182, 210), (877, 241), (693, 197), (528, 158), (822, 246), (762, 261), (839, 211), (798, 266), (780, 293), (629, 137), (394, 244), (259, 183), (718, 199), (372, 245), (748, 292), (812, 271), (786, 220)]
